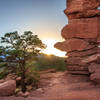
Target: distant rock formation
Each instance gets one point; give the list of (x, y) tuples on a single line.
[(82, 38)]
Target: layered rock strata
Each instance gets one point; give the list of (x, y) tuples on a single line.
[(82, 38)]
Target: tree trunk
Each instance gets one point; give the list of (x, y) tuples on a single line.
[(23, 86), (23, 82)]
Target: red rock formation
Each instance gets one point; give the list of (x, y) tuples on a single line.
[(82, 38), (73, 44), (82, 8), (82, 28), (7, 88)]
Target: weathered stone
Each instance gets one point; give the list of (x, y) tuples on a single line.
[(81, 85), (91, 40), (2, 81), (79, 72), (73, 44), (7, 88), (93, 67), (75, 61), (82, 38), (98, 39), (82, 8), (18, 79), (82, 28), (41, 90), (10, 77), (96, 76), (81, 5), (84, 53), (91, 58), (77, 68), (82, 60), (85, 14), (26, 94)]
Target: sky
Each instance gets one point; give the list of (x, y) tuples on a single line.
[(43, 17)]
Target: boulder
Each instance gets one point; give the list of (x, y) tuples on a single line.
[(82, 28), (2, 81), (98, 39), (95, 76), (82, 60), (21, 94), (82, 8), (73, 44), (82, 5), (93, 67), (18, 79), (75, 61), (91, 58), (83, 14), (77, 68), (10, 77), (84, 53), (8, 88)]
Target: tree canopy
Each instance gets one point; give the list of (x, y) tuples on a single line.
[(20, 48)]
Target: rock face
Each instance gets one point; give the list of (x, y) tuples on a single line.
[(80, 27), (82, 8), (7, 88), (73, 44), (82, 38)]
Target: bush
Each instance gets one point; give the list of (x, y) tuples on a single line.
[(45, 62), (3, 72)]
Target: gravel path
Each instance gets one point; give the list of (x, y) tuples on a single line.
[(60, 89)]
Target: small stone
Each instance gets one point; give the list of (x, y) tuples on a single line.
[(40, 90), (18, 78), (26, 94)]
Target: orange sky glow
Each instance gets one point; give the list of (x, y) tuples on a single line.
[(51, 50)]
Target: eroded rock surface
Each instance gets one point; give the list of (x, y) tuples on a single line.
[(82, 28), (7, 88), (73, 44), (82, 8), (82, 38)]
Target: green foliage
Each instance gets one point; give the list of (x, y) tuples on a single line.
[(20, 48), (3, 72), (3, 64), (24, 59), (45, 62), (32, 77)]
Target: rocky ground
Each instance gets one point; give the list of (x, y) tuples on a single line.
[(61, 86)]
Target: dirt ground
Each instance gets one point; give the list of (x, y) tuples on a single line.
[(61, 86)]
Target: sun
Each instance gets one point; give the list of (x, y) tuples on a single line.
[(51, 50)]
